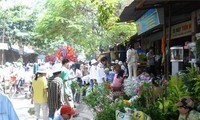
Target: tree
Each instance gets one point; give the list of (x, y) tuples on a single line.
[(84, 24), (92, 23), (19, 23)]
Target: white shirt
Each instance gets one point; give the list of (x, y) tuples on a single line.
[(75, 74), (100, 73), (93, 72), (131, 56)]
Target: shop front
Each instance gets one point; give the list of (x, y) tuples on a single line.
[(181, 35), (155, 18)]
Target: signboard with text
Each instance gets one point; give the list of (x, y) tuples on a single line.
[(180, 30), (149, 20)]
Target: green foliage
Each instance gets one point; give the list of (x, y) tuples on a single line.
[(106, 10), (48, 23), (192, 82), (18, 20), (184, 84), (31, 111), (86, 24), (147, 104), (176, 89), (91, 24), (198, 48), (106, 114), (100, 101), (197, 86), (142, 58), (99, 97)]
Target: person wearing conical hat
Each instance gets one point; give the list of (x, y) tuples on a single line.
[(186, 109)]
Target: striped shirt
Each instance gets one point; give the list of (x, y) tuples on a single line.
[(55, 93)]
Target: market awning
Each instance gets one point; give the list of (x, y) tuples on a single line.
[(22, 50), (138, 7), (133, 11), (11, 55), (129, 13)]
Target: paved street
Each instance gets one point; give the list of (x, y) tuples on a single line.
[(22, 106)]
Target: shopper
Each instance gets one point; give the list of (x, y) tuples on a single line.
[(101, 76), (55, 92), (66, 82), (66, 113), (151, 62), (93, 73), (39, 85), (7, 111), (132, 59)]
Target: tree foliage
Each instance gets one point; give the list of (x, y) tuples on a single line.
[(84, 24), (88, 23), (18, 21)]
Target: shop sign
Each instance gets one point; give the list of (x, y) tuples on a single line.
[(180, 30), (149, 20), (198, 17)]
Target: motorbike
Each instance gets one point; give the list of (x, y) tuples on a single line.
[(21, 87)]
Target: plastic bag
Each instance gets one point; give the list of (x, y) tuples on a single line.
[(122, 116), (139, 115)]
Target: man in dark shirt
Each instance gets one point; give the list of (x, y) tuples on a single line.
[(55, 92), (151, 62)]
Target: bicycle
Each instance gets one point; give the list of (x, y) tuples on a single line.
[(18, 88)]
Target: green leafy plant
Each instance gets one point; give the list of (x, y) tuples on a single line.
[(142, 58), (101, 102), (197, 86), (148, 104), (198, 48), (99, 97), (179, 85), (176, 88), (31, 111), (192, 82), (106, 114)]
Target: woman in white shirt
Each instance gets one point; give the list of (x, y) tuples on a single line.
[(132, 59), (93, 73), (76, 76)]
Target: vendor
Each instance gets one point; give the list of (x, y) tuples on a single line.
[(186, 109)]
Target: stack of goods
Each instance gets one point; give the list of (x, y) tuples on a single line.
[(131, 86)]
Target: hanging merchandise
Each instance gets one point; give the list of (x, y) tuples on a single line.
[(50, 58), (67, 52)]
